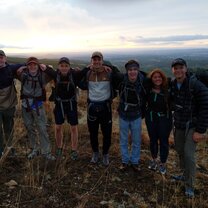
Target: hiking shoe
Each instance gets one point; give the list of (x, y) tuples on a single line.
[(33, 154), (106, 159), (162, 169), (74, 155), (189, 192), (124, 166), (49, 156), (59, 152), (95, 157), (152, 165), (178, 177), (136, 167)]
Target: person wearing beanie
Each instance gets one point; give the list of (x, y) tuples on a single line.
[(130, 109)]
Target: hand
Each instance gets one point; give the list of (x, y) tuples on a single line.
[(77, 69), (20, 70), (43, 67), (197, 137), (107, 69)]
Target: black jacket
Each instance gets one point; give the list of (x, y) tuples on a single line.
[(190, 105)]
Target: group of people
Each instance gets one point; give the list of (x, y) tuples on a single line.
[(162, 102)]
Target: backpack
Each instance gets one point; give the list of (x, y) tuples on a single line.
[(39, 76), (138, 86), (54, 97), (201, 75)]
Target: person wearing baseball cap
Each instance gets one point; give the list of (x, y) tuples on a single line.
[(8, 101), (189, 99), (64, 95), (178, 61), (98, 83), (33, 94)]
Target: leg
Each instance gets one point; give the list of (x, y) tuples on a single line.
[(179, 137), (135, 128), (29, 124), (8, 124), (124, 130), (152, 128), (1, 135), (93, 126), (59, 135), (74, 137), (165, 127), (40, 122), (106, 128), (59, 120), (189, 158)]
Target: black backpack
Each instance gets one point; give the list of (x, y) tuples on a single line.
[(201, 75)]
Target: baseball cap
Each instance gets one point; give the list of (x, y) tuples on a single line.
[(2, 53), (32, 60), (132, 63), (64, 59), (97, 54), (179, 61)]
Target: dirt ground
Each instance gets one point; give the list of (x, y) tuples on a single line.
[(66, 183)]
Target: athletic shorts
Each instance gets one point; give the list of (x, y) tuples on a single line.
[(70, 113)]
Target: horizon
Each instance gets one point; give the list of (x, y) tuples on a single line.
[(108, 53)]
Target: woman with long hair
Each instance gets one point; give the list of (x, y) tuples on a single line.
[(158, 118)]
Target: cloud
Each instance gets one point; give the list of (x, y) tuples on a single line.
[(13, 46), (166, 39)]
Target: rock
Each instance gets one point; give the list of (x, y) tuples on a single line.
[(11, 183)]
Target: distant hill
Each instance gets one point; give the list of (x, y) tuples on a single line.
[(149, 59)]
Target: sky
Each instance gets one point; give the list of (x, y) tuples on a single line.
[(32, 26)]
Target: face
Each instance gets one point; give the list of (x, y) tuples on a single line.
[(2, 61), (179, 71), (33, 68), (96, 62), (157, 79), (64, 68), (132, 73)]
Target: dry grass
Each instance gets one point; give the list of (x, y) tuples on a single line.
[(67, 183)]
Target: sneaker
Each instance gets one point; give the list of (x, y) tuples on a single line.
[(189, 192), (152, 165), (178, 177), (106, 159), (162, 169), (59, 152), (136, 167), (74, 155), (33, 154), (95, 157), (49, 156)]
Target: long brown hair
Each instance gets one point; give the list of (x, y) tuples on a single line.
[(164, 85), (162, 74)]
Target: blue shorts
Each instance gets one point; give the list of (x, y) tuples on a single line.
[(70, 112)]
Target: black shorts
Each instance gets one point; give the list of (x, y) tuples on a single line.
[(70, 112)]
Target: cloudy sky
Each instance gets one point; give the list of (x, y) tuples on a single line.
[(88, 25)]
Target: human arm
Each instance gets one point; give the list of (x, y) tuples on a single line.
[(200, 93)]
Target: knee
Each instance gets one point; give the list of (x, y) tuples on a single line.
[(74, 129), (58, 128)]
